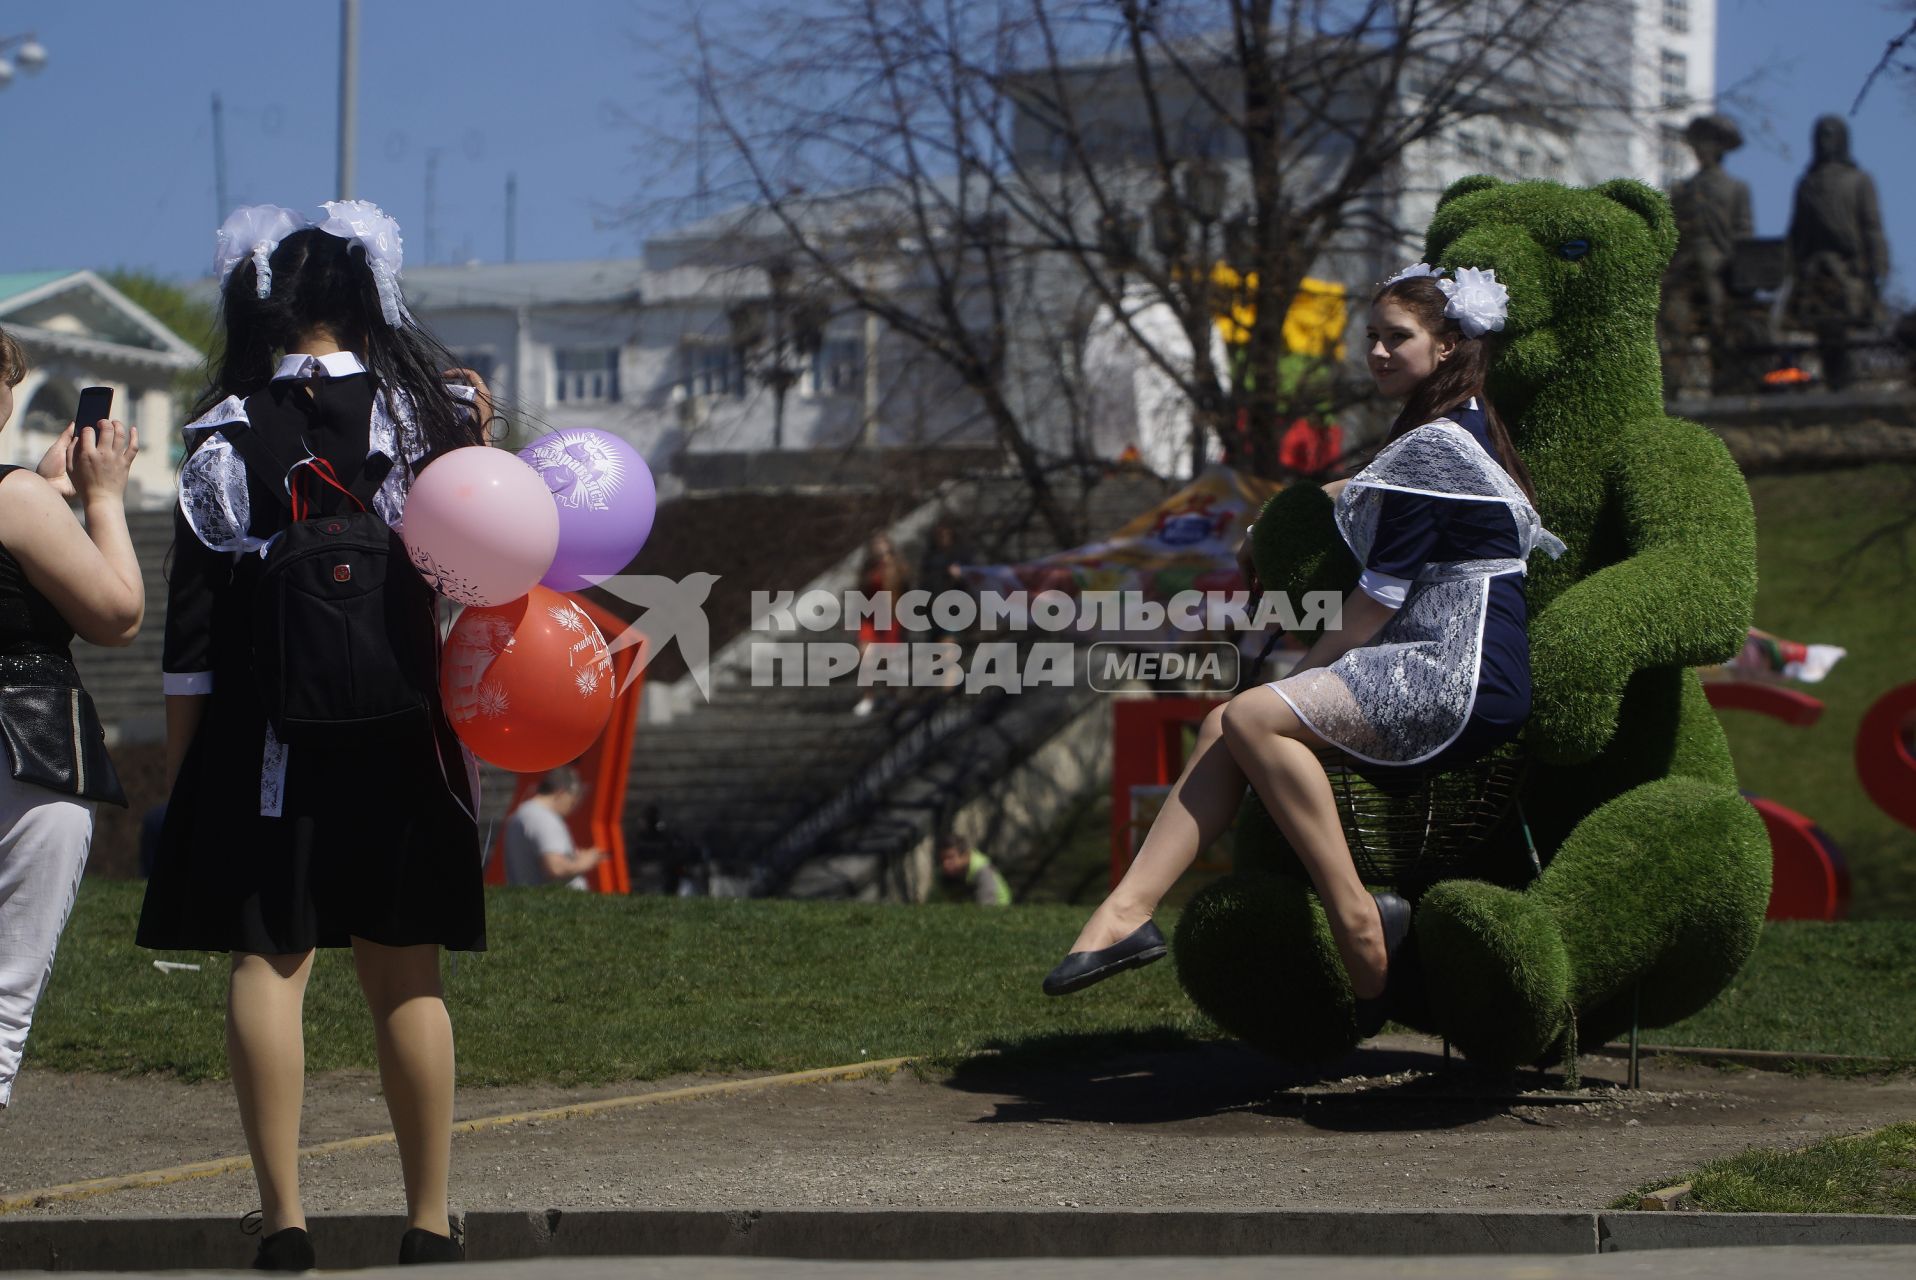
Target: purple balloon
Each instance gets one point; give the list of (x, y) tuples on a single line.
[(606, 502)]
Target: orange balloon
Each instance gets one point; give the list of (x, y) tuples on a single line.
[(527, 684)]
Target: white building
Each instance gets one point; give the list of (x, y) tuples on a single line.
[(676, 352), (1664, 53), (79, 331), (560, 343)]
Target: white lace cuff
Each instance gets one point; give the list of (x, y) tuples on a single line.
[(1383, 588), (186, 682)]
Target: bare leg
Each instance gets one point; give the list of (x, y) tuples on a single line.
[(1255, 737), (266, 1049), (1276, 750), (415, 1069), (1198, 810)]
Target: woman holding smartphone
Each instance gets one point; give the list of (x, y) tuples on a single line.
[(58, 579)]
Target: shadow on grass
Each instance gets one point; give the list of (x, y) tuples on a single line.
[(1164, 1076)]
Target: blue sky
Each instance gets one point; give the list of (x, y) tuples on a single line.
[(111, 151)]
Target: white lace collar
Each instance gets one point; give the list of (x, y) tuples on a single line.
[(212, 481), (334, 364)]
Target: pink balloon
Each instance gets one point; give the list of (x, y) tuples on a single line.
[(480, 525)]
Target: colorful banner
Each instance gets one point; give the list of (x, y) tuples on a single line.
[(1188, 542), (1770, 657)]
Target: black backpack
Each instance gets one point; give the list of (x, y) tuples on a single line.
[(345, 641)]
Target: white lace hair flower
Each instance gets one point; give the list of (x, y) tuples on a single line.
[(253, 231), (1477, 302), (377, 233), (1412, 272)]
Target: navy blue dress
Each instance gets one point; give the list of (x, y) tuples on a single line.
[(1413, 530)]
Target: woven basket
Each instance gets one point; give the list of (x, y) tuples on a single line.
[(1416, 826)]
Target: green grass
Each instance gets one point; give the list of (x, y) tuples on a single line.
[(1866, 1173), (1817, 988), (582, 989), (1813, 587)]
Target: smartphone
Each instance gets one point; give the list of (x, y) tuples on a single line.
[(96, 406)]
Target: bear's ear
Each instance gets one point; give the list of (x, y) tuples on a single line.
[(1467, 186), (1649, 204)]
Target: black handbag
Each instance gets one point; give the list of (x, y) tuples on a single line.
[(53, 734)]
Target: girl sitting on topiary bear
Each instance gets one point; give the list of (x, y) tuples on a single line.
[(1431, 666)]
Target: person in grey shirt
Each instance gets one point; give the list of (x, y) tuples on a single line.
[(539, 847)]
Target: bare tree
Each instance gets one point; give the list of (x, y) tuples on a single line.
[(1897, 61), (988, 178)]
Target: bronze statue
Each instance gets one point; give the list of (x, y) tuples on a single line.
[(1712, 214), (1838, 255)]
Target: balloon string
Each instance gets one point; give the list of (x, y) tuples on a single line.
[(324, 470)]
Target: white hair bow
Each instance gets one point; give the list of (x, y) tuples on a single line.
[(253, 231), (1475, 300), (378, 234), (1413, 271)]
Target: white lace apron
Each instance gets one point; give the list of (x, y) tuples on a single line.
[(1406, 695)]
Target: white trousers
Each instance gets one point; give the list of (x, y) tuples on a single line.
[(44, 837)]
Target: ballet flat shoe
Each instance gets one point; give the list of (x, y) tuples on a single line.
[(419, 1245), (1394, 912), (287, 1250), (1080, 969)]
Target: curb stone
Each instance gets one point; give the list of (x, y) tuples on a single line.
[(1685, 1229), (367, 1240)]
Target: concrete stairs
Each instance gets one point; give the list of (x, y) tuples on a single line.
[(786, 789)]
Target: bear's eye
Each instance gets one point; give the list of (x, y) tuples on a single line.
[(1574, 249)]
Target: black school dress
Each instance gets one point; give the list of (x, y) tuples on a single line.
[(276, 848)]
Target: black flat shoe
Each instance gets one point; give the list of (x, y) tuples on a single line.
[(419, 1245), (288, 1250), (1082, 968), (1373, 1013)]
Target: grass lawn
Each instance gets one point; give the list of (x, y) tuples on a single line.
[(1813, 587), (1817, 988), (1867, 1173), (581, 989)]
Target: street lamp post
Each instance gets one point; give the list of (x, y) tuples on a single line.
[(348, 96), (25, 53), (796, 329), (1202, 202)]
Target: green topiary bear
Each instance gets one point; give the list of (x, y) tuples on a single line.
[(1655, 872)]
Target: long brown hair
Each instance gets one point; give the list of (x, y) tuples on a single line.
[(1454, 380)]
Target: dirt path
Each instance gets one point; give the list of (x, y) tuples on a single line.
[(1216, 1127)]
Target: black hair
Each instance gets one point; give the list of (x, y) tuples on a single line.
[(559, 781), (322, 281), (1454, 380)]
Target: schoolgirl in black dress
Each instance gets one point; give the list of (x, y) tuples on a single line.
[(269, 849)]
